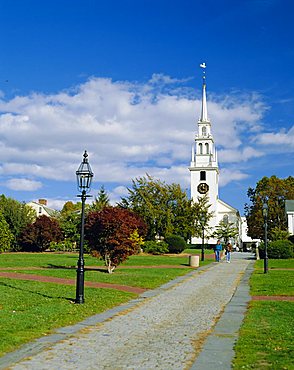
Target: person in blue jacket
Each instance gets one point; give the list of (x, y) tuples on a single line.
[(217, 250)]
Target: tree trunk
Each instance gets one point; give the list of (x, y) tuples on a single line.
[(110, 268)]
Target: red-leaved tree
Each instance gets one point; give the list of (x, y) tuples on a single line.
[(38, 236), (114, 233)]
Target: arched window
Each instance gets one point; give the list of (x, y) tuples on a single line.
[(200, 149), (202, 176), (226, 219), (204, 131), (207, 148)]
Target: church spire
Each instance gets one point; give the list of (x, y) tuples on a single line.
[(203, 117)]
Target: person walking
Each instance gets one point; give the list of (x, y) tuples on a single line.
[(217, 250), (228, 252)]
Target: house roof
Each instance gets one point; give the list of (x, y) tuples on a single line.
[(289, 206), (50, 211)]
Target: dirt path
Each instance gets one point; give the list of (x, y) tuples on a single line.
[(51, 279), (272, 298)]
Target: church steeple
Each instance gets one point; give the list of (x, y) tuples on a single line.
[(204, 169), (204, 117), (204, 156)]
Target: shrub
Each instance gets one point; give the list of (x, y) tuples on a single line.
[(6, 236), (279, 249), (38, 236), (176, 244), (63, 246), (153, 247)]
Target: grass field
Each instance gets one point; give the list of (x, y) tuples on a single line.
[(70, 259), (30, 309), (266, 336)]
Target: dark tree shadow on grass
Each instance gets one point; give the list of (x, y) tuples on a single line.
[(99, 269), (33, 292)]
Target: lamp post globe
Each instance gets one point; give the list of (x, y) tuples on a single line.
[(84, 179), (265, 216)]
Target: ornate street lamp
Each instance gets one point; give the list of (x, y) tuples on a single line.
[(203, 219), (84, 179), (265, 214)]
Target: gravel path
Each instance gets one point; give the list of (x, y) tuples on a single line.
[(163, 331)]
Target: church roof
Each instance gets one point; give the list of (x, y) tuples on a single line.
[(227, 206)]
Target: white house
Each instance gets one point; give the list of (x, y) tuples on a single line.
[(41, 208), (289, 208), (246, 241)]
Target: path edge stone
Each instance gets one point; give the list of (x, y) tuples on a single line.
[(218, 349)]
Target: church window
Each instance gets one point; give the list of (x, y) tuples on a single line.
[(202, 176), (204, 131), (226, 219), (207, 148), (200, 149)]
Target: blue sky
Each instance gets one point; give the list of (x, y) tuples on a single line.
[(122, 80)]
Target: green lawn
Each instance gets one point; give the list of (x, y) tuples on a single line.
[(143, 277), (30, 309), (70, 259), (266, 336), (64, 266), (44, 260)]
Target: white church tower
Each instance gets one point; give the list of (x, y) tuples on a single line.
[(205, 171)]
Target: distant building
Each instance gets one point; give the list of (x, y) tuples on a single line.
[(42, 209), (205, 175), (246, 241), (289, 208)]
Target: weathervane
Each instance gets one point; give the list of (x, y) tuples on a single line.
[(203, 66)]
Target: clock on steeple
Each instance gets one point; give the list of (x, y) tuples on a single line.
[(203, 188)]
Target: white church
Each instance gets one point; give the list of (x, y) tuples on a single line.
[(204, 171)]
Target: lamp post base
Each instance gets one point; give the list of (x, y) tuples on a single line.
[(202, 254), (80, 283), (265, 262), (80, 287)]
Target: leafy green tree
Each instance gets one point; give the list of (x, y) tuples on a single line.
[(276, 191), (38, 236), (202, 216), (17, 215), (101, 201), (114, 234), (70, 207), (6, 237), (70, 220), (165, 208), (225, 231), (278, 234)]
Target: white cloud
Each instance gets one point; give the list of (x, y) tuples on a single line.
[(117, 193), (58, 203), (129, 129), (237, 156), (23, 184), (284, 141), (229, 175)]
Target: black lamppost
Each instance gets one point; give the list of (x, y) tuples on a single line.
[(84, 179), (265, 214), (203, 219)]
